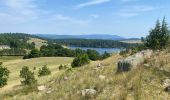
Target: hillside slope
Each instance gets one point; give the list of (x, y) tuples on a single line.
[(145, 82)]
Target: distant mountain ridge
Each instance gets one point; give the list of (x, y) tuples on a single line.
[(90, 36)]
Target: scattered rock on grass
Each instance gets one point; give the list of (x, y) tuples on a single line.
[(167, 89), (102, 77), (86, 92), (166, 82), (41, 88)]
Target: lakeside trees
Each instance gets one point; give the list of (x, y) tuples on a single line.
[(96, 43), (55, 50)]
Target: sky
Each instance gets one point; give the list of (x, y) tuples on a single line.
[(127, 18)]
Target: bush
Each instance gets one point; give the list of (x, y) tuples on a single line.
[(80, 60), (4, 74), (33, 54), (44, 71), (105, 55), (62, 67), (28, 76), (93, 55)]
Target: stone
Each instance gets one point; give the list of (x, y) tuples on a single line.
[(167, 89), (102, 77), (134, 61), (166, 82), (90, 92), (65, 78), (41, 88), (146, 65)]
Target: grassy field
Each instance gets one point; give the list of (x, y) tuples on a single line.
[(38, 42), (15, 64), (143, 83)]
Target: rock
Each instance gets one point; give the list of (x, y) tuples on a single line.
[(41, 88), (65, 78), (102, 77), (146, 65), (49, 91), (166, 82), (90, 92), (134, 61), (99, 65), (167, 89)]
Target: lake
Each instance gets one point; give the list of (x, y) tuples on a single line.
[(100, 50)]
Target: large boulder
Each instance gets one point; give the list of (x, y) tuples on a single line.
[(134, 61)]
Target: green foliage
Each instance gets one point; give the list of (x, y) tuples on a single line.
[(62, 67), (80, 60), (33, 54), (44, 71), (56, 50), (105, 55), (4, 74), (28, 76), (94, 43), (16, 40), (158, 37), (13, 52), (93, 54)]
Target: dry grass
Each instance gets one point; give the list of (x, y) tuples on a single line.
[(16, 65), (38, 42), (144, 83)]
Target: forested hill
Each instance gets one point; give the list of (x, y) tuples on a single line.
[(97, 43), (16, 40)]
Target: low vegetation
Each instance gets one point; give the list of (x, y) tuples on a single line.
[(28, 77), (80, 60), (44, 71), (4, 74)]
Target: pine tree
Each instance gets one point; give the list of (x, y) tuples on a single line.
[(158, 37)]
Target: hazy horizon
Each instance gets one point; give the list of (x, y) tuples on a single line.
[(125, 18)]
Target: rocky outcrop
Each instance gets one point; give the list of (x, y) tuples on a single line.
[(134, 61)]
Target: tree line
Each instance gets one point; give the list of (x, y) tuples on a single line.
[(56, 50), (97, 43)]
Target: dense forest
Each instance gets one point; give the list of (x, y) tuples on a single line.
[(94, 43), (16, 40)]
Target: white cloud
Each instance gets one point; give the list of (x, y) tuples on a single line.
[(25, 7), (140, 8), (132, 11), (94, 15), (91, 3), (127, 0), (67, 19), (126, 14)]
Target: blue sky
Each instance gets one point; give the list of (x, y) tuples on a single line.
[(128, 18)]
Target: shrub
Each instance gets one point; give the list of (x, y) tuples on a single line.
[(62, 67), (28, 76), (4, 74), (33, 54), (80, 60), (93, 54), (44, 71), (105, 55)]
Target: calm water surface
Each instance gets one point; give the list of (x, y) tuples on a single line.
[(100, 50)]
